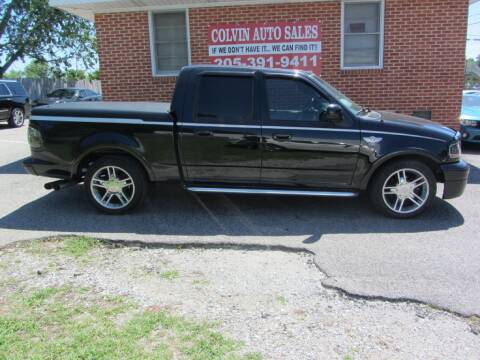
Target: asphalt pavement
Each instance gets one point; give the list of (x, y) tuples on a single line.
[(433, 259)]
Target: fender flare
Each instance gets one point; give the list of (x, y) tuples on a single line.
[(392, 156), (121, 146)]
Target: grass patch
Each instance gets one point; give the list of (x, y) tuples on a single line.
[(282, 300), (78, 246), (65, 323), (170, 275)]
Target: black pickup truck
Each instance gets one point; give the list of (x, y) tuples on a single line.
[(247, 131)]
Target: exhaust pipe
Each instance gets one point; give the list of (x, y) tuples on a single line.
[(59, 184)]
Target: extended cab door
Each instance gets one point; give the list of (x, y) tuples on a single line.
[(302, 148), (220, 139)]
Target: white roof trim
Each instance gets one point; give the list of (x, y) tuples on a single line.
[(88, 8)]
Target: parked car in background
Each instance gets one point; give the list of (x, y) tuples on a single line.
[(14, 103), (70, 95), (470, 116)]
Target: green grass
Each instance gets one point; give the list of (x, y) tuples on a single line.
[(170, 275), (78, 246), (282, 300), (63, 323)]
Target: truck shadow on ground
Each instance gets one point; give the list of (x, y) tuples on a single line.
[(12, 168), (169, 210)]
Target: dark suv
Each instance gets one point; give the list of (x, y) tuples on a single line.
[(14, 103)]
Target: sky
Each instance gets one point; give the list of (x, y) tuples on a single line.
[(473, 34), (473, 37)]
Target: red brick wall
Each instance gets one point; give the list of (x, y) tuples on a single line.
[(423, 56)]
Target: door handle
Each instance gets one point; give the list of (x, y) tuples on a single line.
[(204, 133), (282, 137)]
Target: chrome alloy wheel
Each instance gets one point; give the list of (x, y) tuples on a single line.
[(405, 191), (18, 117), (112, 187)]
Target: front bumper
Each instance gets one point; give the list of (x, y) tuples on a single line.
[(470, 134), (456, 178)]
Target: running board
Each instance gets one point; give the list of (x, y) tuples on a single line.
[(198, 189)]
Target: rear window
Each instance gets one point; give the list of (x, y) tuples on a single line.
[(3, 90), (225, 99)]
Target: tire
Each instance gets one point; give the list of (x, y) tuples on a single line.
[(396, 197), (17, 118), (115, 184)]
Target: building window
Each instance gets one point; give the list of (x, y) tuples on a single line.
[(169, 42), (362, 34)]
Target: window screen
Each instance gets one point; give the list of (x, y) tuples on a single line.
[(170, 36), (294, 100), (225, 100), (362, 34), (4, 90)]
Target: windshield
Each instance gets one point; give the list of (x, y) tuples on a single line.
[(471, 100), (343, 99)]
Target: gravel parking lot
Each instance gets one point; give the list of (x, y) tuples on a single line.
[(434, 259)]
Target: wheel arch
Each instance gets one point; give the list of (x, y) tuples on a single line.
[(80, 166), (421, 156)]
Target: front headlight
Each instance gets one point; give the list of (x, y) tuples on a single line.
[(455, 151), (468, 122)]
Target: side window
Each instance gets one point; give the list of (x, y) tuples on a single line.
[(16, 89), (225, 100), (291, 100), (4, 90)]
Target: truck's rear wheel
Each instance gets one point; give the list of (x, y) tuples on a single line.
[(115, 185), (403, 189)]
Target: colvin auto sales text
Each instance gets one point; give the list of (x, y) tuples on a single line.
[(265, 33)]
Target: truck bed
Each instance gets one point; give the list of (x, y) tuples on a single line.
[(151, 111)]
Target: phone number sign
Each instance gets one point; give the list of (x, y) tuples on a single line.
[(289, 45)]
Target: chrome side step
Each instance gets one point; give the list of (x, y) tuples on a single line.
[(198, 189)]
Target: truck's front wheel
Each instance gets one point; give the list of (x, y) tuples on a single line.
[(115, 185), (403, 189)]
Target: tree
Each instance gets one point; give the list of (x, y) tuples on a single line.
[(31, 28), (94, 75), (14, 74), (72, 74), (37, 70)]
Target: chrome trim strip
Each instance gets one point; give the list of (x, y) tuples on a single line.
[(98, 120), (401, 134), (308, 128), (220, 125), (271, 192), (265, 127)]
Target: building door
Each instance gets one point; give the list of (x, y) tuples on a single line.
[(301, 148), (221, 143)]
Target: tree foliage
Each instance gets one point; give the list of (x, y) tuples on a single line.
[(37, 70), (32, 29)]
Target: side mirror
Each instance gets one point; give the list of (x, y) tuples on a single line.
[(333, 113)]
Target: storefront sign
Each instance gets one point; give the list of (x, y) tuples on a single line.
[(292, 45)]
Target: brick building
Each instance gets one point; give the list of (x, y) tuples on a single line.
[(400, 55)]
